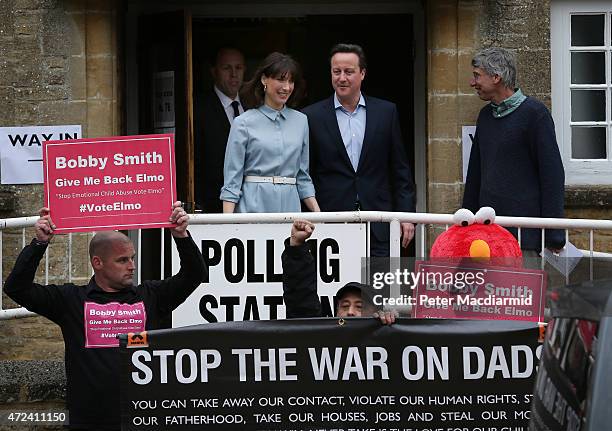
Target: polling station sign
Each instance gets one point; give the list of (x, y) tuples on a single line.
[(330, 374), (245, 270), (21, 159), (120, 182)]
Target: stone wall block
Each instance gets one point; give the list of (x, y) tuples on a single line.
[(99, 77), (442, 72), (29, 201), (46, 91), (444, 198), (55, 77), (99, 118), (63, 112), (6, 62), (76, 78), (443, 117), (27, 4), (99, 34), (75, 31), (467, 25), (443, 17), (7, 12), (27, 24), (464, 71), (7, 107), (40, 328), (80, 260), (25, 113), (25, 70), (53, 62), (538, 18), (534, 71), (55, 40), (468, 108), (24, 77), (445, 161), (30, 338)]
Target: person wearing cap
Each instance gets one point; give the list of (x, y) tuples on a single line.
[(300, 283)]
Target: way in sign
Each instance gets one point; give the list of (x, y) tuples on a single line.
[(238, 402)]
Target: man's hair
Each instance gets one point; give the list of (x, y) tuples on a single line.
[(497, 61), (223, 50), (350, 48), (101, 244)]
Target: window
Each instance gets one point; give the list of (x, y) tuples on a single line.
[(581, 60)]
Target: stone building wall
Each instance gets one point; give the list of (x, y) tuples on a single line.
[(457, 29), (58, 65)]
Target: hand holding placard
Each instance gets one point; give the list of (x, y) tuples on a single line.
[(44, 226), (181, 219)]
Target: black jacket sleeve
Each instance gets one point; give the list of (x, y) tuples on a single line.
[(401, 175), (173, 291), (20, 286), (471, 193), (300, 282)]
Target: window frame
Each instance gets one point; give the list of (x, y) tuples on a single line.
[(579, 171)]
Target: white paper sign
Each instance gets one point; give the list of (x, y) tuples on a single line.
[(566, 260), (163, 105), (245, 269), (467, 134), (21, 151)]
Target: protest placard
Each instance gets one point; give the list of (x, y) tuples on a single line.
[(120, 182), (331, 374), (477, 290)]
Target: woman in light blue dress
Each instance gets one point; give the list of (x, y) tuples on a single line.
[(266, 159)]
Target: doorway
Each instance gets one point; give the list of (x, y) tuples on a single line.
[(308, 39), (392, 35)]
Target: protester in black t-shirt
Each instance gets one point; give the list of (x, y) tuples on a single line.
[(91, 316)]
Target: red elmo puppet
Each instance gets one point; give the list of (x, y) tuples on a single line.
[(477, 236)]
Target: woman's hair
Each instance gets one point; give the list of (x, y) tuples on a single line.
[(278, 66)]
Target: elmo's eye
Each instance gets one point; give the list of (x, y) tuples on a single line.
[(463, 217), (485, 215)]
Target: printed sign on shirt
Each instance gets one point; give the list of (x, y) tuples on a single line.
[(103, 322)]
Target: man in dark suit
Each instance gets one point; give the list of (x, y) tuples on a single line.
[(357, 157), (213, 118)]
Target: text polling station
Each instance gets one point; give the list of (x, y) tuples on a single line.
[(119, 182), (318, 374), (245, 273)]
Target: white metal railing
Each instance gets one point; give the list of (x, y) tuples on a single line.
[(393, 218)]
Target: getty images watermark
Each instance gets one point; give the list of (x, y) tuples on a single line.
[(462, 290)]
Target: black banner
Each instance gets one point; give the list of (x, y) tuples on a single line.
[(330, 374)]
